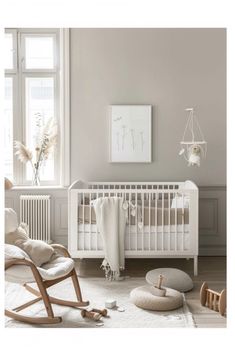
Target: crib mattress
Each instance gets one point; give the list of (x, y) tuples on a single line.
[(133, 229), (149, 238), (151, 216)]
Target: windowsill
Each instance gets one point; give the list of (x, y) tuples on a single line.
[(41, 187)]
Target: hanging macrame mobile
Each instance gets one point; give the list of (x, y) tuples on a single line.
[(193, 144)]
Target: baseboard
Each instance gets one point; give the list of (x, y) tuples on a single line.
[(212, 250)]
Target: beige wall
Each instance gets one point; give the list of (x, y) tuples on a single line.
[(169, 68)]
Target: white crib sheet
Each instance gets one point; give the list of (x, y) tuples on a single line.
[(156, 238)]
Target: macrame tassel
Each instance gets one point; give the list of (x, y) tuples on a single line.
[(109, 274)]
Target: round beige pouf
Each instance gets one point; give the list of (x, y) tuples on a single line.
[(143, 298), (172, 278)]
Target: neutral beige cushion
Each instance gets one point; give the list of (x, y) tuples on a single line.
[(39, 251), (143, 298), (173, 278)]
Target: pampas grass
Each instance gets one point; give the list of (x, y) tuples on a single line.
[(45, 143), (22, 152)]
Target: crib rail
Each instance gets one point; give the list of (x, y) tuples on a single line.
[(132, 185)]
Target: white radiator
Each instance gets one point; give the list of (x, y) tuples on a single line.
[(35, 211)]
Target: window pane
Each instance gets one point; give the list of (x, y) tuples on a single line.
[(39, 109), (8, 128), (8, 51), (39, 52)]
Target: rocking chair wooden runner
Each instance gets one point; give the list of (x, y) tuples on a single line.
[(42, 294)]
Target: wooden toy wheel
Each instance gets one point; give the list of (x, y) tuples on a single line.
[(203, 293), (222, 302)]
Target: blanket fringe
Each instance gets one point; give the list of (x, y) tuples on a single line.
[(109, 274)]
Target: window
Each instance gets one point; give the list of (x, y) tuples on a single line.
[(39, 108), (39, 52), (36, 89), (9, 51)]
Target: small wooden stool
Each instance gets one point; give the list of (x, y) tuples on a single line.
[(213, 300)]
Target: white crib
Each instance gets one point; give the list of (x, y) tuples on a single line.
[(165, 224)]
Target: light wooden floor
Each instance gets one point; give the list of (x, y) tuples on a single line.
[(211, 269)]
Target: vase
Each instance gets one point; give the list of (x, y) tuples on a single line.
[(36, 178)]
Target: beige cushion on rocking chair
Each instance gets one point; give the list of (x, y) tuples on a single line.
[(57, 267)]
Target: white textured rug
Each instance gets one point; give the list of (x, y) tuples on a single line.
[(97, 290)]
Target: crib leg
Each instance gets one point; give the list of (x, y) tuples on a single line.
[(195, 266)]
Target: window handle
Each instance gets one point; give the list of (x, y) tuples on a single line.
[(22, 61)]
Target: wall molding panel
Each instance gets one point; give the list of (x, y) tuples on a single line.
[(212, 216), (208, 215), (212, 220), (10, 202), (61, 216)]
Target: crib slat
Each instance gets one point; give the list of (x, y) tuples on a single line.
[(31, 210), (176, 220), (21, 210), (136, 219), (38, 215), (33, 223), (46, 215), (97, 195), (156, 226), (129, 222), (169, 221), (83, 218), (183, 221), (142, 212), (90, 219), (149, 222), (162, 220)]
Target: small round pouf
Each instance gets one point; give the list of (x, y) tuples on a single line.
[(143, 298), (174, 278)]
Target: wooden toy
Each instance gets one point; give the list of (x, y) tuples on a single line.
[(103, 312), (157, 289), (91, 315), (213, 300)]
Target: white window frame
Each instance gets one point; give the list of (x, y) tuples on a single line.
[(60, 73), (65, 106)]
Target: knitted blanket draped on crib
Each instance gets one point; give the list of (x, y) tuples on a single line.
[(111, 222)]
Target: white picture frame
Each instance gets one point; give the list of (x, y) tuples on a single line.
[(130, 133)]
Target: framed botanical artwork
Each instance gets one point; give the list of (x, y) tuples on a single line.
[(130, 133)]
